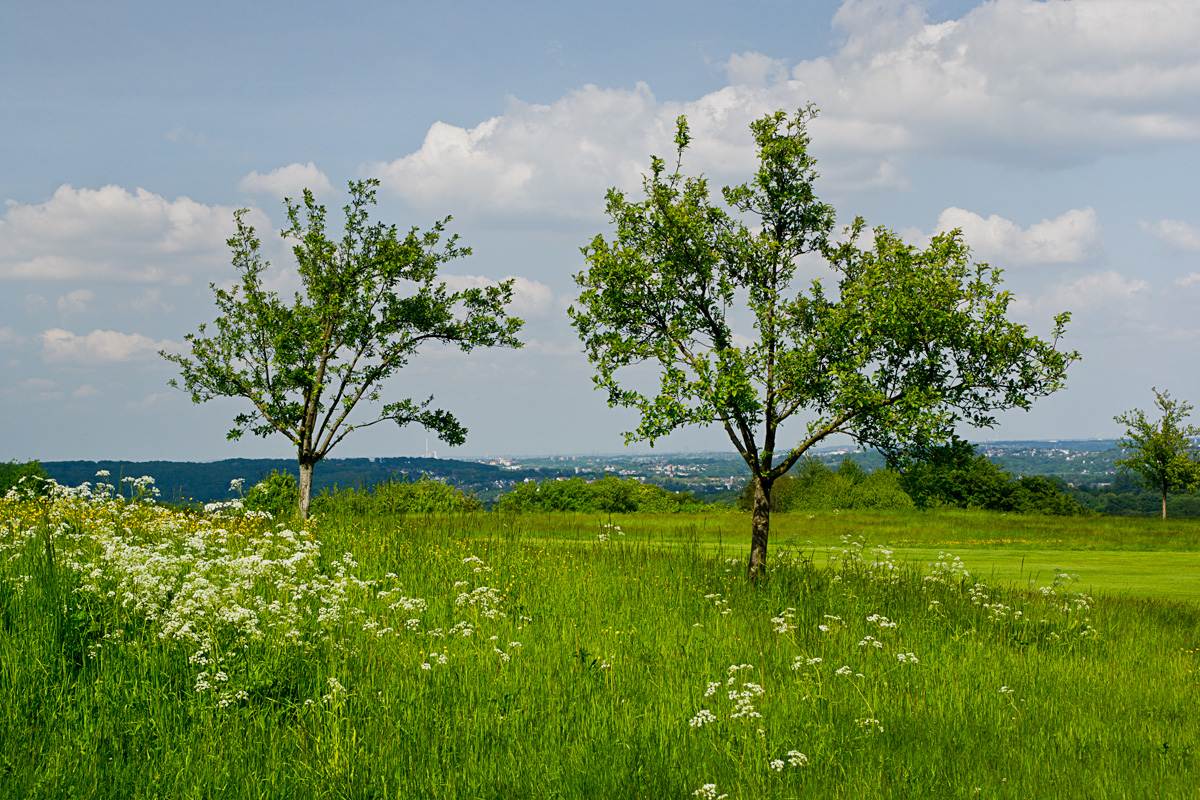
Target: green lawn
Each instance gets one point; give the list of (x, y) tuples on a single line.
[(147, 654)]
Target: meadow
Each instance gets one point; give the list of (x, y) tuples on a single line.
[(150, 652)]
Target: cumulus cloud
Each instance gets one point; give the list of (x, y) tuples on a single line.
[(289, 181), (100, 347), (146, 402), (1098, 301), (113, 234), (75, 302), (1020, 82), (1071, 237), (1178, 235), (1189, 281), (1017, 81), (86, 390), (530, 298)]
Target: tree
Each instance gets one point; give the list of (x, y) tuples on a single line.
[(910, 342), (1161, 453), (305, 366)]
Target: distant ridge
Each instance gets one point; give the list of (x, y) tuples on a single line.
[(207, 481)]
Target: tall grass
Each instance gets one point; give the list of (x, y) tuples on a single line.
[(148, 653)]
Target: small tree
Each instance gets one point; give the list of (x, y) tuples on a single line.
[(910, 342), (1161, 453), (305, 366)]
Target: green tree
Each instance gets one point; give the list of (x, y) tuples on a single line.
[(12, 473), (908, 343), (306, 365), (1161, 453)]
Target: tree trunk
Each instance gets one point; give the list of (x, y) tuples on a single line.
[(306, 476), (760, 524), (1164, 504)]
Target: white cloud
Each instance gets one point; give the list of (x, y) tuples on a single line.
[(1020, 82), (530, 298), (289, 181), (1069, 238), (1097, 301), (75, 302), (1189, 281), (557, 158), (37, 389), (146, 402), (114, 234), (1016, 81), (148, 300), (86, 390), (10, 338), (1178, 235), (100, 347), (754, 69)]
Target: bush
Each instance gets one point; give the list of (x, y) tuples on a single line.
[(816, 487), (957, 476), (609, 495), (11, 474), (392, 497), (277, 494)]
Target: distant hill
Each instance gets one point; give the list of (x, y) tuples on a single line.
[(206, 482)]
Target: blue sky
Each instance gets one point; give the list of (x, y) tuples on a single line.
[(1062, 137)]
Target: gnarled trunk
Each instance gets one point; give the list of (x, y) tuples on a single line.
[(760, 525)]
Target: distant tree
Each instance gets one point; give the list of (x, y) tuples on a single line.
[(1161, 453), (12, 472), (956, 475), (305, 366), (904, 344)]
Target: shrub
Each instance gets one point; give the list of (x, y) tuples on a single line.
[(11, 474), (424, 496), (277, 494), (609, 495)]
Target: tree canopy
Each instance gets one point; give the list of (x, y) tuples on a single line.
[(896, 347), (369, 302), (1161, 453)]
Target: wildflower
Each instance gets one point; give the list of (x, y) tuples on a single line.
[(796, 758), (709, 792), (702, 718), (776, 764)]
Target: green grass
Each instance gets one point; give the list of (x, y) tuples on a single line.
[(230, 661)]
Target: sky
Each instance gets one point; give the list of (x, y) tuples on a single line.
[(1062, 137)]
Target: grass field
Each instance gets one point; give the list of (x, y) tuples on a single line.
[(149, 653)]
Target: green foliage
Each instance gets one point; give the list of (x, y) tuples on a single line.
[(393, 497), (815, 487), (610, 495), (277, 494), (11, 473), (955, 475), (1161, 453), (900, 346), (368, 304)]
